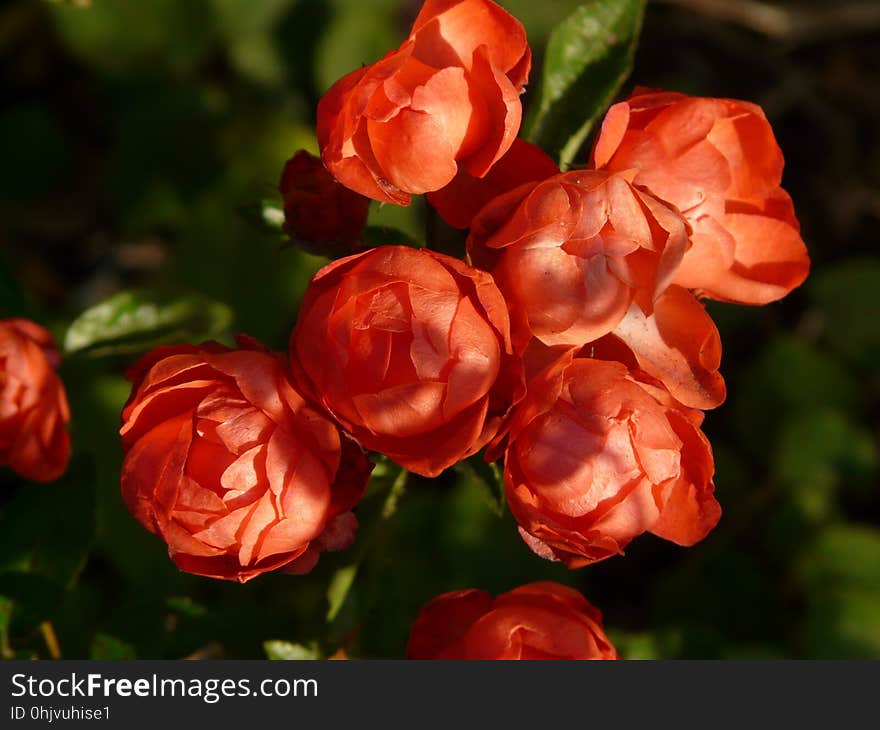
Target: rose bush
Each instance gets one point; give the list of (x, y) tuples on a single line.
[(412, 353), (226, 462), (572, 253), (321, 215), (447, 99), (718, 162), (34, 414), (596, 458), (536, 621)]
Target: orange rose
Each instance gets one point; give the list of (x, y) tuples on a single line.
[(447, 98), (595, 458), (33, 405), (536, 621), (321, 215), (717, 161), (463, 198), (411, 351), (573, 252), (226, 462)]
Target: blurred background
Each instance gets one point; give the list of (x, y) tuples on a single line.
[(137, 143)]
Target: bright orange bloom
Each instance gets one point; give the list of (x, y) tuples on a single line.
[(573, 252), (717, 161), (226, 462), (33, 405), (411, 351), (447, 98), (595, 458), (536, 621)]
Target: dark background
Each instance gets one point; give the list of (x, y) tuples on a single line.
[(137, 139)]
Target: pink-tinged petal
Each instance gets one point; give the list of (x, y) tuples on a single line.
[(688, 508), (403, 410), (771, 261), (160, 405), (613, 129), (679, 345), (244, 430), (413, 152), (153, 469), (476, 359), (503, 114)]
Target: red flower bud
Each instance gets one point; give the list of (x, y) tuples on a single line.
[(321, 215)]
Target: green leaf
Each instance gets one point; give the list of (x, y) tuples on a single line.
[(337, 591), (109, 647), (276, 649), (589, 56), (488, 478), (138, 320)]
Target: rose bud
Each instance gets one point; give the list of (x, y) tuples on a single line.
[(573, 252), (718, 162), (595, 458), (34, 413), (322, 216), (447, 99), (537, 621), (460, 201), (411, 351), (226, 462)]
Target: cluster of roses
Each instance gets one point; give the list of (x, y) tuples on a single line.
[(572, 342)]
